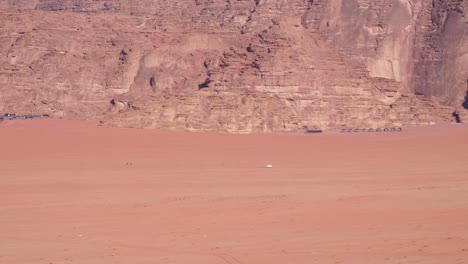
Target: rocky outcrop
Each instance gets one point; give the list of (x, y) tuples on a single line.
[(237, 66)]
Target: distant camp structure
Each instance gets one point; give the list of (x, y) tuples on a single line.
[(313, 131), (9, 116)]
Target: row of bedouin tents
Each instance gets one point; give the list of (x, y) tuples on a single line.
[(8, 116), (356, 130)]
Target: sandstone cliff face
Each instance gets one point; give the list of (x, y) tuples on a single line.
[(441, 51), (238, 66)]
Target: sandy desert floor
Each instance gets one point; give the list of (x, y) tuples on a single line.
[(73, 192)]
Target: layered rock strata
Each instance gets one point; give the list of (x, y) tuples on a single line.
[(236, 66)]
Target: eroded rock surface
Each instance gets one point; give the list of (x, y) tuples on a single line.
[(237, 66)]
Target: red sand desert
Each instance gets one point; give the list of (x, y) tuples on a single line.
[(73, 192)]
